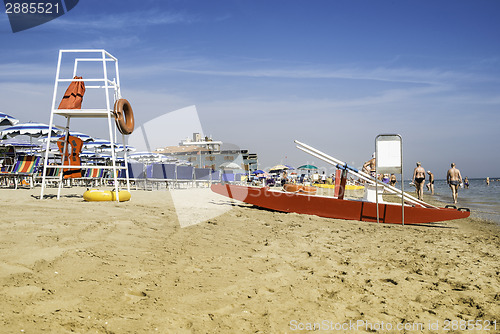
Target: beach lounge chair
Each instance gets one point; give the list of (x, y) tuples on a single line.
[(25, 168), (215, 176), (7, 158), (202, 176), (184, 175), (51, 176), (137, 173), (162, 174), (93, 177)]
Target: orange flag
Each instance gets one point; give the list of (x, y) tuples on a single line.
[(73, 97)]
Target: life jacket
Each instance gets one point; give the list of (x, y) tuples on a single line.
[(72, 157)]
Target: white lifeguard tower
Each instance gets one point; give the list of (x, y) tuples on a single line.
[(96, 67)]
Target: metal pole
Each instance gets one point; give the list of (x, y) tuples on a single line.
[(108, 108), (61, 176), (50, 124), (376, 183), (402, 186)]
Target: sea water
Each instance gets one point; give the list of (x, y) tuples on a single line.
[(483, 200)]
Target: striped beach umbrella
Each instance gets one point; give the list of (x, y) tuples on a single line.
[(98, 144), (7, 120), (34, 130)]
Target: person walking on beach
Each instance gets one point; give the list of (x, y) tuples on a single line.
[(419, 180), (454, 178), (430, 185), (466, 182)]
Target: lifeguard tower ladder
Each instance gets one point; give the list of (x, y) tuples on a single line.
[(98, 81)]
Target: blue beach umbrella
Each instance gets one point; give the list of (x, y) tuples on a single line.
[(84, 137), (7, 120), (18, 143), (98, 143), (35, 130)]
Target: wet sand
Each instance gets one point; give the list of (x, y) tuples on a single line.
[(71, 266)]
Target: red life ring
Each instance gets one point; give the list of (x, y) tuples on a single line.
[(124, 124)]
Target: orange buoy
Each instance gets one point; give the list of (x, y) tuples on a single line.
[(298, 188), (308, 190), (291, 188)]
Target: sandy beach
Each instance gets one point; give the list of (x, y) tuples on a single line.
[(71, 266)]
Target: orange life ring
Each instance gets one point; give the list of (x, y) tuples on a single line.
[(292, 188), (124, 116), (72, 157), (308, 190), (298, 188)]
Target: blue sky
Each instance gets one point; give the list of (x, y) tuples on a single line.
[(332, 74)]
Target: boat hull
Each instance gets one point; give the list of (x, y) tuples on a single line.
[(330, 207)]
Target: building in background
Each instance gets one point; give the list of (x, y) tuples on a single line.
[(204, 152)]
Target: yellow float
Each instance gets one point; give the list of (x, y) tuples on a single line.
[(332, 186), (96, 195)]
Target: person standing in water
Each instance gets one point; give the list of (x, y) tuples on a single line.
[(430, 185), (419, 180), (454, 178)]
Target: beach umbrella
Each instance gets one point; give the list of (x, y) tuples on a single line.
[(263, 175), (17, 142), (97, 144), (183, 163), (34, 130), (230, 165), (104, 156), (87, 153), (148, 157), (258, 171), (278, 168), (20, 145), (290, 167), (84, 137), (309, 167), (120, 148), (7, 120)]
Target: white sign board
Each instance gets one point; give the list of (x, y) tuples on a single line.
[(388, 152)]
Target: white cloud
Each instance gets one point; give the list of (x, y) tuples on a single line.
[(125, 20)]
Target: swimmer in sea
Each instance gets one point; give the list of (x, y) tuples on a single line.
[(419, 180), (454, 178)]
